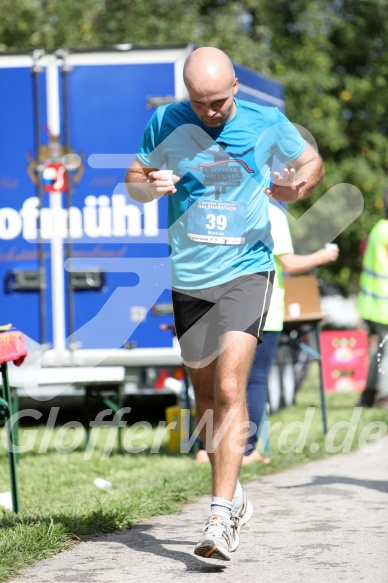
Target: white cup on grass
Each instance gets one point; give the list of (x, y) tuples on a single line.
[(102, 484), (6, 500)]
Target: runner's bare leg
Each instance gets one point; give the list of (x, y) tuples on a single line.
[(221, 386)]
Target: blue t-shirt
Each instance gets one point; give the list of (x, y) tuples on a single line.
[(218, 218)]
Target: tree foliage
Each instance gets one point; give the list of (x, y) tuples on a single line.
[(330, 55)]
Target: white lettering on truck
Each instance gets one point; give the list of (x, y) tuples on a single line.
[(102, 216)]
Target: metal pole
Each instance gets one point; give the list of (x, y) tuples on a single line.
[(65, 69), (36, 70), (57, 258), (315, 353), (321, 387)]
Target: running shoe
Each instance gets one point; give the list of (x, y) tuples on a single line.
[(243, 513), (219, 539)]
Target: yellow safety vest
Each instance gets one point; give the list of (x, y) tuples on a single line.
[(373, 294)]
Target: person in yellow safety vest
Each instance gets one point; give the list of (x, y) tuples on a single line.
[(373, 308)]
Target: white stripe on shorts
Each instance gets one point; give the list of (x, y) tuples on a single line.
[(264, 302)]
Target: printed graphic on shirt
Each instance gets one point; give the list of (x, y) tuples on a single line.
[(223, 172), (219, 221)]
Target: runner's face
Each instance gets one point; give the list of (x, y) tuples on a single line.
[(214, 108)]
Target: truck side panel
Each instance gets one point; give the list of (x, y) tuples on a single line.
[(16, 186)]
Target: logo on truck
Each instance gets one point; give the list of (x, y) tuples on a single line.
[(53, 163)]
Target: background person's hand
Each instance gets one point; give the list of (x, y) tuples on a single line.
[(328, 254)]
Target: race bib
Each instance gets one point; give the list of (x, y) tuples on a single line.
[(216, 221)]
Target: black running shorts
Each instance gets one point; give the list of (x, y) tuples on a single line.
[(202, 316)]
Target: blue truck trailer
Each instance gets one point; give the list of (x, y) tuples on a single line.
[(85, 269)]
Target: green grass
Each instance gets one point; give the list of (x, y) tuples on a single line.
[(60, 504)]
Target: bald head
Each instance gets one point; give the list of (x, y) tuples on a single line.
[(211, 84), (208, 65)]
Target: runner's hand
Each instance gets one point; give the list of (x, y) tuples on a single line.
[(285, 188), (161, 183)]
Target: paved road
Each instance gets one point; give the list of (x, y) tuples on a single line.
[(325, 521)]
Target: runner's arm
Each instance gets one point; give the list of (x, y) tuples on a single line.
[(300, 180), (145, 184)]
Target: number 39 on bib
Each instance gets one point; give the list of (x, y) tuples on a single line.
[(216, 221)]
